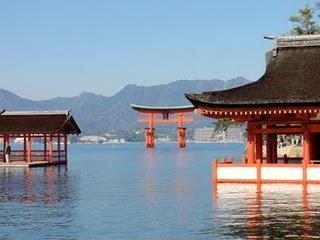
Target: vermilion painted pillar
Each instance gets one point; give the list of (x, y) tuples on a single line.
[(45, 146), (306, 153), (181, 132), (4, 144), (306, 146), (149, 132), (25, 147), (58, 147), (215, 171), (29, 149), (250, 143), (51, 149), (66, 147)]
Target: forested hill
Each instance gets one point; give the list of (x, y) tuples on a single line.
[(96, 113)]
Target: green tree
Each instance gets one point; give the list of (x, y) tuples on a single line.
[(305, 23), (223, 124)]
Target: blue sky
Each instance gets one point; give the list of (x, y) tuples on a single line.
[(51, 48)]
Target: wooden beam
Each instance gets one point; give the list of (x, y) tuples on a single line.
[(269, 110), (280, 130), (161, 120)]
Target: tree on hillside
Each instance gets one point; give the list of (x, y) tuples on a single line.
[(305, 23)]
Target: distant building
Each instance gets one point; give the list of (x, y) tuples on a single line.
[(232, 134), (203, 134), (93, 138)]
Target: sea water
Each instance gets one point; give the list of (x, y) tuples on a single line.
[(125, 191)]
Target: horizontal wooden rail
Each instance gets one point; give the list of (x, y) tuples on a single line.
[(266, 172)]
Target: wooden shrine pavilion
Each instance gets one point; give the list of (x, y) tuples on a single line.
[(37, 138), (285, 100), (151, 118)]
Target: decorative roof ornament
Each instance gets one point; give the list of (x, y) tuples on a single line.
[(293, 41)]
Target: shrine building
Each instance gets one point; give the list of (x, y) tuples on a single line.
[(37, 138), (284, 101)]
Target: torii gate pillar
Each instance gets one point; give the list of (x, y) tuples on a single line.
[(181, 132), (149, 133), (149, 137)]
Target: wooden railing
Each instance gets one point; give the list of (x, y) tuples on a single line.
[(280, 160), (36, 155)]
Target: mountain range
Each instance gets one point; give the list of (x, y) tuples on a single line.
[(97, 114)]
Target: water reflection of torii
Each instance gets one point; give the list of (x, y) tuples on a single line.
[(258, 219)]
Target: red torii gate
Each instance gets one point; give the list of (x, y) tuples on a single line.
[(150, 119)]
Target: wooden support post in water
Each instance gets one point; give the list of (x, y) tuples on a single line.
[(29, 149), (51, 149), (215, 171), (4, 146), (59, 147), (25, 147), (250, 143), (149, 134), (306, 152), (181, 137), (66, 147), (45, 146), (181, 132)]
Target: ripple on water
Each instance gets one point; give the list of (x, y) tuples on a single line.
[(128, 192)]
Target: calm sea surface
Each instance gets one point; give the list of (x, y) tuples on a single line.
[(128, 192)]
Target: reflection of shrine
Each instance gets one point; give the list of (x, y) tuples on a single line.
[(34, 184), (151, 118), (267, 211)]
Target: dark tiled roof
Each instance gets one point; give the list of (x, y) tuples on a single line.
[(292, 77), (38, 122)]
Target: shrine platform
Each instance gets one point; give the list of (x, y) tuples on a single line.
[(43, 163), (258, 173)]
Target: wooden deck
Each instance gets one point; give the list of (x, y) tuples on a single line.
[(31, 164)]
